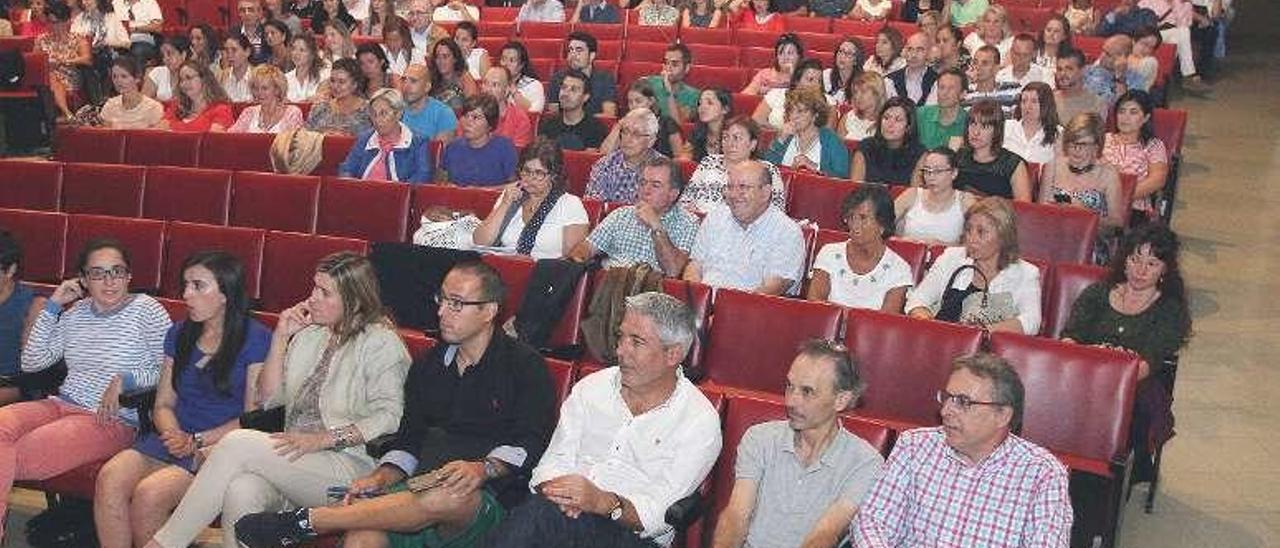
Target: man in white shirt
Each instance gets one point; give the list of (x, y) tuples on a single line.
[(421, 28), (541, 11), (453, 11), (144, 20), (631, 440), (1021, 70)]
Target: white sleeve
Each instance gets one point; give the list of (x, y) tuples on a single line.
[(562, 452), (1027, 296), (536, 95), (699, 442), (929, 293), (826, 260)]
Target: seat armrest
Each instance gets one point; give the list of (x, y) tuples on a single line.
[(379, 446), (682, 513)]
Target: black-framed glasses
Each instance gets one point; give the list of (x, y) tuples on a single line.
[(456, 305), (963, 402), (98, 274)]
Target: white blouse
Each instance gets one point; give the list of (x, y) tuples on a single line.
[(160, 78), (532, 90), (861, 290), (1030, 147), (237, 90), (1021, 279), (304, 92), (549, 243)]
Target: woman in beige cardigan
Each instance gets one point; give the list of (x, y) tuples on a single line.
[(337, 366)]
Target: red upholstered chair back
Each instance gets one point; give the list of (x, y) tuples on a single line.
[(756, 38), (370, 210), (1069, 280), (516, 271), (102, 189), (698, 297), (697, 35), (715, 55), (577, 169), (144, 238), (186, 239), (731, 77), (738, 355), (476, 200), (333, 151), (875, 432), (532, 30), (417, 343), (817, 198), (602, 31), (742, 411), (561, 380), (236, 151), (1056, 233), (289, 260), (43, 236), (631, 70), (854, 27), (1079, 398), (756, 57), (26, 184), (914, 253), (276, 202), (187, 194), (88, 144), (905, 362), (155, 147)]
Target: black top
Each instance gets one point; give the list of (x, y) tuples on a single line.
[(505, 399), (319, 17), (787, 6), (587, 133), (987, 179), (890, 165), (603, 88)]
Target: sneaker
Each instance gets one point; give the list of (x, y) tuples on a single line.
[(1195, 86), (275, 529)]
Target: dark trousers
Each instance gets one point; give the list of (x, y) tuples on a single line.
[(539, 523), (1203, 40)]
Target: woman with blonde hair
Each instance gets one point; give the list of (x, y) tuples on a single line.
[(993, 30), (866, 96), (1079, 178), (269, 113), (337, 42)]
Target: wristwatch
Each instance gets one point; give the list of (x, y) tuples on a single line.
[(615, 513), (491, 469), (198, 439), (654, 232)]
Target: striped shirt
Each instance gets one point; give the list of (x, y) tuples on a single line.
[(930, 497), (128, 341)]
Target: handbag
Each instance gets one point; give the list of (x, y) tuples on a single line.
[(973, 306)]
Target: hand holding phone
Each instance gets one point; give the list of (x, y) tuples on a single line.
[(69, 291)]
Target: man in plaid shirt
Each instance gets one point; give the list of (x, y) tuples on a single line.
[(969, 482)]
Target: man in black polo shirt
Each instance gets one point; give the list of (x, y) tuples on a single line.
[(580, 55), (479, 411), (573, 128)]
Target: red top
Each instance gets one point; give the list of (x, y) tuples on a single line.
[(217, 113), (747, 21)]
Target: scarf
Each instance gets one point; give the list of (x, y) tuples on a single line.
[(524, 245), (378, 169)]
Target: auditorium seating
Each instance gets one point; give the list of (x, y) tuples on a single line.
[(102, 189), (1069, 280), (188, 238), (187, 194), (163, 148), (30, 185), (515, 271), (87, 144), (289, 260), (43, 235), (1055, 233), (144, 238), (741, 316), (370, 210), (276, 202)]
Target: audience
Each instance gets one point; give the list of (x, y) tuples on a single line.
[(205, 47), (269, 113), (425, 115), (337, 42), (965, 12), (234, 77), (397, 45), (529, 94), (513, 121), (130, 108), (146, 22), (951, 55), (1134, 150), (309, 71), (805, 142), (667, 142), (346, 111), (799, 481), (866, 98), (338, 367), (654, 231), (681, 103), (986, 167), (1081, 15), (275, 10), (1021, 68), (112, 342), (588, 493), (983, 282), (1125, 18), (19, 308), (596, 11), (755, 15), (1078, 179), (541, 11), (891, 155), (887, 56), (390, 151), (451, 83), (715, 108), (787, 52), (422, 28), (933, 211), (1109, 76), (657, 13), (749, 245), (869, 10), (67, 54), (1176, 19), (454, 11), (1143, 59), (480, 157), (277, 38), (580, 55), (250, 30), (943, 124), (534, 216), (380, 13), (207, 379), (771, 113), (466, 35), (846, 67), (1071, 96), (478, 413), (983, 85), (1033, 132), (202, 105), (616, 175), (862, 272), (572, 128), (1054, 41), (161, 83), (739, 140), (915, 79), (376, 68), (986, 485)]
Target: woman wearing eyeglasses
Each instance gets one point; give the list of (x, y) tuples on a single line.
[(932, 211), (112, 342), (1078, 178), (862, 272), (535, 216), (337, 367), (390, 151)]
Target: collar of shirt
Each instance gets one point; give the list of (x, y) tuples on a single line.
[(406, 137), (994, 461), (825, 459)]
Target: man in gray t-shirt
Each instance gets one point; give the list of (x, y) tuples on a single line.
[(799, 481)]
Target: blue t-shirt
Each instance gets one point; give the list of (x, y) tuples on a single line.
[(490, 165), (13, 316), (434, 118)]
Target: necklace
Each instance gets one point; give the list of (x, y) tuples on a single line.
[(1080, 170)]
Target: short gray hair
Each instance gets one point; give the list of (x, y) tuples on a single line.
[(1006, 385), (673, 318), (645, 117), (390, 96)]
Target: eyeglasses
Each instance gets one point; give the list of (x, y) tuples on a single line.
[(738, 187), (455, 305), (99, 274), (628, 132), (963, 402), (1082, 144), (930, 171), (535, 174)]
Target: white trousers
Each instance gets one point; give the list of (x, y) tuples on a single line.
[(1180, 37)]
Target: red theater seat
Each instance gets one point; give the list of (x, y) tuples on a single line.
[(276, 202), (817, 198), (27, 184), (714, 55), (1056, 233), (630, 71), (561, 379), (545, 48), (369, 210), (1069, 280), (756, 38), (645, 51), (289, 262), (741, 316), (534, 30), (697, 35), (186, 239), (756, 58), (478, 201), (187, 194), (854, 27), (905, 362), (577, 169), (154, 147), (730, 78), (103, 189), (236, 151), (144, 238), (89, 144), (334, 150), (645, 33), (804, 23), (43, 236), (515, 271), (602, 31)]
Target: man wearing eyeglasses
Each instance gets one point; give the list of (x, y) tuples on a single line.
[(479, 410), (748, 243), (799, 481), (971, 481), (615, 177), (250, 12), (422, 29)]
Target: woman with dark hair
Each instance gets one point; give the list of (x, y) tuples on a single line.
[(375, 68), (112, 342), (467, 36), (888, 54), (771, 112), (933, 212), (846, 65), (1142, 306), (345, 112), (805, 141), (891, 155), (715, 107), (67, 53), (1054, 40), (787, 52), (534, 216), (162, 81), (739, 141), (1135, 150), (862, 272), (19, 308), (986, 168), (950, 53), (234, 78), (757, 15), (529, 93), (336, 366), (309, 70), (481, 157), (130, 108), (211, 361), (1033, 131), (380, 13), (203, 43), (912, 9), (331, 10), (201, 105), (704, 14), (451, 83), (277, 36), (397, 44), (1143, 60)]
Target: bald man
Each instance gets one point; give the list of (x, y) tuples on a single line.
[(1109, 76), (513, 122), (426, 116), (914, 81)]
